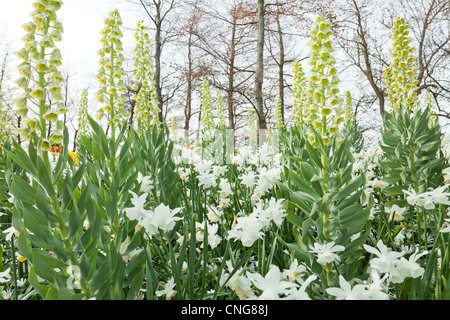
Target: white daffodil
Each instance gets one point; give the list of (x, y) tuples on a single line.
[(273, 211), (396, 213), (248, 179), (73, 281), (375, 287), (446, 173), (165, 218), (137, 212), (239, 283), (445, 227), (326, 252), (247, 229), (168, 290), (386, 257), (438, 195), (11, 231), (146, 183), (212, 237), (346, 292), (272, 285), (300, 293), (295, 271), (410, 267), (5, 276), (225, 188), (207, 180)]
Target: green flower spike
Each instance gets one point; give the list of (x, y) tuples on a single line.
[(146, 108), (174, 129), (83, 124), (110, 73), (220, 111), (300, 96), (400, 76), (38, 72), (278, 116), (323, 110), (207, 117)]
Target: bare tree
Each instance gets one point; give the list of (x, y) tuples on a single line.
[(157, 11), (259, 76), (287, 22), (365, 36)]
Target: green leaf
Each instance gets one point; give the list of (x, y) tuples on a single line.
[(356, 183), (24, 245), (44, 177), (22, 190), (22, 159), (74, 221)]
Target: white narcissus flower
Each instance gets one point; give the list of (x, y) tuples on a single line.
[(5, 276), (439, 196), (73, 281), (346, 292), (212, 237), (239, 283), (396, 213), (146, 182), (168, 290), (295, 271), (445, 227), (326, 252), (247, 229), (410, 268), (225, 188), (137, 212), (300, 293), (446, 173), (164, 217), (274, 211), (272, 285), (248, 179), (11, 231), (386, 258), (375, 287), (207, 180)]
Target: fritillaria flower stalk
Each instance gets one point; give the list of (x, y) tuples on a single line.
[(324, 112), (83, 124), (41, 103), (252, 125), (207, 116), (174, 129), (220, 111), (279, 124), (299, 95), (110, 74), (146, 107), (349, 114), (401, 82)]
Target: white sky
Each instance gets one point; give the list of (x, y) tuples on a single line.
[(82, 21)]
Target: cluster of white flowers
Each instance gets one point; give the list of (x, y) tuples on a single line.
[(211, 230), (394, 264), (326, 253), (275, 285), (162, 217), (429, 199), (250, 228), (372, 289)]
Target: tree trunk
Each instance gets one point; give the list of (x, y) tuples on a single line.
[(260, 68), (230, 101), (158, 45), (281, 66), (188, 108)]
